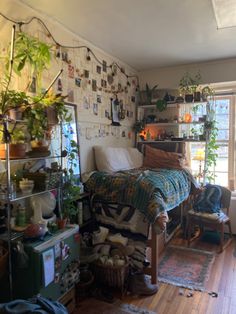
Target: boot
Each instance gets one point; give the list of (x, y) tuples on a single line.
[(140, 284)]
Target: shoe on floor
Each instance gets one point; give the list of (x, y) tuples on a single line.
[(140, 284)]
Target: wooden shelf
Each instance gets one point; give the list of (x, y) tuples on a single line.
[(173, 123)]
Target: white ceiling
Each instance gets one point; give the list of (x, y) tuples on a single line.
[(146, 33)]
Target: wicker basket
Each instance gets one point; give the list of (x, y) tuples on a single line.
[(112, 276), (44, 181), (3, 260)]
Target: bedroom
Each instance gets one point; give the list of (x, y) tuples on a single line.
[(144, 47)]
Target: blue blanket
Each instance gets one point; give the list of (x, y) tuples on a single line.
[(209, 200), (38, 305)]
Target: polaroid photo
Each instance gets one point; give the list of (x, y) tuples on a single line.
[(104, 66), (94, 85), (78, 81), (86, 74), (99, 69), (59, 85), (95, 109), (71, 71), (99, 99), (70, 95)]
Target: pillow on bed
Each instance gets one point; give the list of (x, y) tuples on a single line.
[(136, 158), (157, 158), (112, 159)]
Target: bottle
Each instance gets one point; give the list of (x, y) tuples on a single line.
[(148, 135)]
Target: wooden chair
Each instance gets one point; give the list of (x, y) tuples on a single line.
[(212, 221)]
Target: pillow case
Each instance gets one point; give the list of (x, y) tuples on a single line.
[(110, 159), (157, 158), (136, 158)]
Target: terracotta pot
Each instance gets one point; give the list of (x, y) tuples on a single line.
[(61, 223), (16, 150), (15, 114)]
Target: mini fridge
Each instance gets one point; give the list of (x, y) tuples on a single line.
[(52, 266)]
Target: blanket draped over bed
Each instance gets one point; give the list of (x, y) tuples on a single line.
[(150, 191)]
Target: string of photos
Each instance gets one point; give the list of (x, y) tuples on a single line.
[(114, 67), (82, 77)]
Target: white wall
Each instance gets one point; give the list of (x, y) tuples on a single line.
[(95, 127), (211, 72)]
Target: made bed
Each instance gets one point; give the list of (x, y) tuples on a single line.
[(130, 193)]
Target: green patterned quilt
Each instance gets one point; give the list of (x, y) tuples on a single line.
[(150, 191)]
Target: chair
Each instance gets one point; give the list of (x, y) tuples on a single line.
[(212, 221)]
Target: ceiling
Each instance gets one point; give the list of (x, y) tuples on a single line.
[(145, 34)]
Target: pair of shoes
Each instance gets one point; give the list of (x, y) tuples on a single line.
[(100, 235), (140, 284)]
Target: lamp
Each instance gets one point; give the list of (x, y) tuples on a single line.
[(200, 156)]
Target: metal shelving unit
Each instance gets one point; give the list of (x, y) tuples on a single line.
[(11, 196)]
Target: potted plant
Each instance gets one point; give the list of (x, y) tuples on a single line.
[(17, 146), (33, 54), (206, 92), (148, 94), (188, 85)]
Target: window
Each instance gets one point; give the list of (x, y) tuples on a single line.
[(224, 107)]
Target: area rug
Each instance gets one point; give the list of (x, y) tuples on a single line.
[(185, 267), (95, 306)]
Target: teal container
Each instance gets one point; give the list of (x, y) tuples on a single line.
[(30, 281)]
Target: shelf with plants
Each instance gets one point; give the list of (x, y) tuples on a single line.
[(26, 120)]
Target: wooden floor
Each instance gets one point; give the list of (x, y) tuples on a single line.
[(222, 280)]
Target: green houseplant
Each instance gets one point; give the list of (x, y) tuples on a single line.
[(188, 85)]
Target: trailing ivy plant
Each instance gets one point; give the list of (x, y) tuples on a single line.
[(210, 132)]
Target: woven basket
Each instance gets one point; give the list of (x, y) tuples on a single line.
[(112, 276), (44, 181), (3, 260)]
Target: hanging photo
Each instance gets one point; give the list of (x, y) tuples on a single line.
[(94, 85), (59, 85), (104, 66), (64, 55), (32, 87), (115, 107), (70, 95), (78, 81), (71, 71), (95, 109), (86, 73), (99, 69), (99, 98)]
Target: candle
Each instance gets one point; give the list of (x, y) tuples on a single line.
[(12, 42)]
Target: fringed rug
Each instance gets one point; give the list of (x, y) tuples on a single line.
[(185, 267), (93, 306)]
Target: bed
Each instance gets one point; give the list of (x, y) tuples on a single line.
[(130, 193)]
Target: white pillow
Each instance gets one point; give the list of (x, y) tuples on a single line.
[(111, 159), (136, 158)]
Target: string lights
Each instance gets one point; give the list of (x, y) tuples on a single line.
[(114, 66)]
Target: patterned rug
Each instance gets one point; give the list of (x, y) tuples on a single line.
[(185, 267), (93, 306)]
